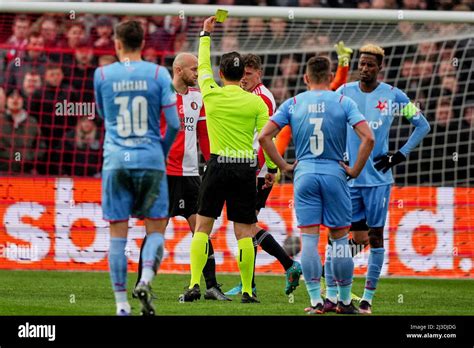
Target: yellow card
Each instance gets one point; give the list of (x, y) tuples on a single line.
[(221, 15)]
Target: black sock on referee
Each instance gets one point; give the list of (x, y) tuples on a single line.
[(271, 246), (209, 270), (255, 249)]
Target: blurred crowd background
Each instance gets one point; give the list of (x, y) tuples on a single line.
[(50, 59)]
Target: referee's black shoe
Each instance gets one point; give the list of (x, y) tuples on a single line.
[(215, 293), (191, 294), (246, 298)]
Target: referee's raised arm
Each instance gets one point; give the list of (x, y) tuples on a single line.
[(205, 75), (232, 115)]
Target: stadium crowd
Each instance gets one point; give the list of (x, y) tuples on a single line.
[(47, 64)]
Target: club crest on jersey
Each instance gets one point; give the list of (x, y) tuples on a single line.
[(382, 106), (194, 105)]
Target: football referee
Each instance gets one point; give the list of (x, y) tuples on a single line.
[(232, 117)]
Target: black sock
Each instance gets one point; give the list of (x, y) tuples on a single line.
[(140, 264), (355, 247), (255, 249), (209, 270), (271, 246)]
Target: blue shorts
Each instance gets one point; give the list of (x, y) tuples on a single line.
[(141, 193), (322, 199), (370, 204)]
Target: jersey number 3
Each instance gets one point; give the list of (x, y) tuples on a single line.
[(316, 141), (137, 121)]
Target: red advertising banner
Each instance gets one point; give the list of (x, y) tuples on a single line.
[(56, 223)]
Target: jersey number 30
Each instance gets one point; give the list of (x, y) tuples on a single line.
[(316, 141), (137, 121)]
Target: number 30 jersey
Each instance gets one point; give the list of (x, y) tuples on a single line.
[(318, 121), (130, 97)]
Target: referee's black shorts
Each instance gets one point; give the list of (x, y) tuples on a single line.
[(183, 194), (232, 183)]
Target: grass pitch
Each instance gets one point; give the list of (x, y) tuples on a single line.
[(89, 293)]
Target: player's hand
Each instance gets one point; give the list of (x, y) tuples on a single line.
[(343, 53), (389, 160), (288, 168), (350, 172), (209, 24), (269, 180)]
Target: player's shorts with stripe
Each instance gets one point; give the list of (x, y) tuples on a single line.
[(370, 204), (262, 194), (322, 199), (232, 183), (183, 192), (141, 193)]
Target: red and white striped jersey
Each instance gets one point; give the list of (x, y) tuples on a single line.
[(183, 158), (267, 97)]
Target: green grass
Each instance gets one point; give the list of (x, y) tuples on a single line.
[(89, 293)]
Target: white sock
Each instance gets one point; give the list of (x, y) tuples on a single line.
[(147, 275), (123, 306), (120, 297)]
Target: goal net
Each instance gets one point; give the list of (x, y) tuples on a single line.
[(49, 51)]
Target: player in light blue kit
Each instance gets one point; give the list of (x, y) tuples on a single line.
[(318, 119), (130, 96), (370, 192)]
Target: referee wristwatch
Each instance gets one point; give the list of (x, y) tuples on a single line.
[(272, 171), (204, 33)]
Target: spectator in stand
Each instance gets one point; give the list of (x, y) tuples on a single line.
[(445, 68), (163, 38), (48, 28), (19, 39), (427, 50), (81, 155), (31, 59), (75, 33), (363, 4), (229, 43), (150, 54), (468, 113), (280, 90), (81, 73), (289, 68), (449, 85), (44, 106), (20, 145), (2, 100), (414, 5), (31, 83), (384, 4), (105, 30)]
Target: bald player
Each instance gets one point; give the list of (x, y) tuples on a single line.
[(183, 160)]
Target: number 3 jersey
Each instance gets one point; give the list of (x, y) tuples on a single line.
[(183, 159), (130, 97), (318, 121)]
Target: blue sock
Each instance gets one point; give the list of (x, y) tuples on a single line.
[(312, 267), (331, 286), (373, 272), (152, 251), (343, 267), (118, 268)]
